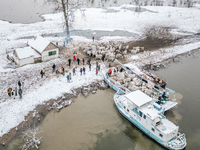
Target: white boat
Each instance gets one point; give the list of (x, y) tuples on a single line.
[(148, 116)]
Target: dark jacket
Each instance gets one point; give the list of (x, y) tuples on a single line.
[(81, 70), (19, 83)]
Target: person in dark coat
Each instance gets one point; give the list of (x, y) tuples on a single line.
[(41, 74), (63, 71), (19, 83), (69, 60), (90, 67), (81, 71), (74, 71), (84, 70), (20, 93), (83, 61), (89, 61), (54, 66), (78, 60)]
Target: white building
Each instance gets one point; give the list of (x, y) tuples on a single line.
[(45, 48), (40, 49)]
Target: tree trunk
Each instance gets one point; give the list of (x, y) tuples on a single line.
[(66, 17)]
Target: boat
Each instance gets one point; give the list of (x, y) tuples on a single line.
[(144, 112), (166, 104), (146, 77)]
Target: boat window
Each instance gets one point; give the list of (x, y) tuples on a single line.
[(128, 110), (161, 135), (153, 129), (144, 116), (140, 114)]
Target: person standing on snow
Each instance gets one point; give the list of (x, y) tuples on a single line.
[(78, 60), (74, 71), (20, 93), (84, 70), (54, 66), (83, 61), (41, 72), (63, 71), (19, 83), (9, 91), (68, 78), (93, 38), (69, 60), (96, 70), (90, 67), (81, 71)]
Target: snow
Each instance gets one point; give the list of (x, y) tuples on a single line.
[(39, 43), (24, 52), (13, 111), (180, 20)]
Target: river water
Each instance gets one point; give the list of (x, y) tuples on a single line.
[(93, 122)]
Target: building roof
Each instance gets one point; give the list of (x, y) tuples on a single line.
[(24, 52), (39, 43), (138, 98)]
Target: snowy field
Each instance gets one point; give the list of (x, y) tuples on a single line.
[(181, 20)]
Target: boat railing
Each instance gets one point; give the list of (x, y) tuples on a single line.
[(182, 141)]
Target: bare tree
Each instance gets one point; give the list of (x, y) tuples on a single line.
[(68, 7), (31, 138)]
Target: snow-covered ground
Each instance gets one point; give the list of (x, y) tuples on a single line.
[(13, 111), (181, 20)]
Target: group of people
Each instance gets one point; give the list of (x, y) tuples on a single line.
[(13, 92)]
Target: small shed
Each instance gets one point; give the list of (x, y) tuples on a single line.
[(23, 56), (45, 48)]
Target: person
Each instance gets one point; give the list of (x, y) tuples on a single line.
[(96, 70), (57, 71), (89, 61), (20, 93), (163, 95), (78, 60), (109, 72), (90, 67), (103, 57), (99, 67), (68, 78), (19, 83), (81, 71), (96, 63), (117, 70), (74, 71), (74, 57), (83, 61), (9, 91), (63, 71), (84, 70), (41, 72), (54, 66), (69, 60), (93, 38)]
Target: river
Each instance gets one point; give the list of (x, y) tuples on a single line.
[(93, 122)]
